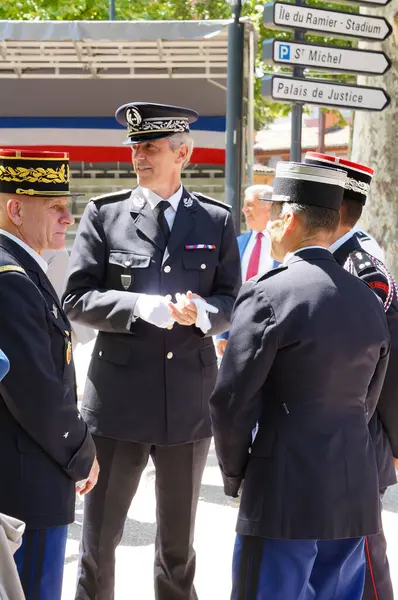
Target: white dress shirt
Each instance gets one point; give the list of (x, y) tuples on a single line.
[(39, 259), (174, 200), (266, 261)]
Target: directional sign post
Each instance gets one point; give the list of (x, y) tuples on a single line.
[(300, 54), (336, 22), (313, 91), (334, 58)]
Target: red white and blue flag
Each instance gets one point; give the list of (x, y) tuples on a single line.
[(99, 139)]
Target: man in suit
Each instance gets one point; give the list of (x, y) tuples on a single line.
[(296, 364), (46, 450), (349, 253), (254, 245), (156, 271)]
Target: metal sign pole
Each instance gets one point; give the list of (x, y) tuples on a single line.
[(297, 109), (112, 10), (233, 170)]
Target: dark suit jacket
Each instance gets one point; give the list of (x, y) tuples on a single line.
[(385, 418), (306, 359), (45, 446), (134, 391)]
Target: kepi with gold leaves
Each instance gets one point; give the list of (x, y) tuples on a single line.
[(33, 173)]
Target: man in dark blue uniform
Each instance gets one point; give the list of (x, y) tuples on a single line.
[(295, 364), (350, 254), (156, 271), (45, 447)]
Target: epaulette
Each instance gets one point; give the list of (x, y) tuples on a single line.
[(11, 268), (208, 200), (119, 195), (361, 235)]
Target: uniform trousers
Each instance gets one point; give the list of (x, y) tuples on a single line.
[(40, 562), (271, 569), (378, 584), (179, 471)]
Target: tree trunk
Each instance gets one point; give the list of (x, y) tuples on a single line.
[(375, 143)]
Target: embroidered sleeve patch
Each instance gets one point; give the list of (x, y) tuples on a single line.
[(378, 285)]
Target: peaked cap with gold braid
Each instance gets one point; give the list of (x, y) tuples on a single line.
[(34, 173)]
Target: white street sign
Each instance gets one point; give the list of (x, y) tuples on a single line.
[(335, 58), (311, 91), (337, 22)]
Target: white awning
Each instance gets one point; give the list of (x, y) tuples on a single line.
[(115, 49)]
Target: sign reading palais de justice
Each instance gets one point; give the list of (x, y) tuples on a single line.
[(337, 22), (335, 58), (311, 91)]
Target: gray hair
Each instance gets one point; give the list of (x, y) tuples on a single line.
[(261, 190), (179, 139), (313, 218)]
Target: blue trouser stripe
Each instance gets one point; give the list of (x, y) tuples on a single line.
[(40, 562)]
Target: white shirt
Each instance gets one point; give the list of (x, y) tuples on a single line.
[(290, 255), (174, 200), (266, 261), (39, 259)]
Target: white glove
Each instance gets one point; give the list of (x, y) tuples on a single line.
[(202, 319), (153, 309), (202, 308)]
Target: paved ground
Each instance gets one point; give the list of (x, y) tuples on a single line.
[(214, 540)]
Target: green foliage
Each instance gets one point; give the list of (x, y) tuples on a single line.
[(154, 10)]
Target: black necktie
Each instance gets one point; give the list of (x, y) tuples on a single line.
[(163, 224)]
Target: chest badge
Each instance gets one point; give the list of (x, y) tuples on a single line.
[(188, 202), (126, 280), (54, 311)]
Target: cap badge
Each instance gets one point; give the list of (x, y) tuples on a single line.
[(133, 117)]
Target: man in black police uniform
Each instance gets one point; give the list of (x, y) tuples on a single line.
[(383, 427), (295, 364), (45, 447), (154, 364)]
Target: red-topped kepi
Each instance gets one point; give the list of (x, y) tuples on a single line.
[(33, 173), (359, 176)]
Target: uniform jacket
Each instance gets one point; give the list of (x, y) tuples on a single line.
[(306, 359), (385, 419), (243, 240), (45, 446), (147, 384)]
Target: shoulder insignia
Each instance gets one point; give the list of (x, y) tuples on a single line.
[(208, 200), (113, 196), (361, 235), (10, 268), (362, 261)]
